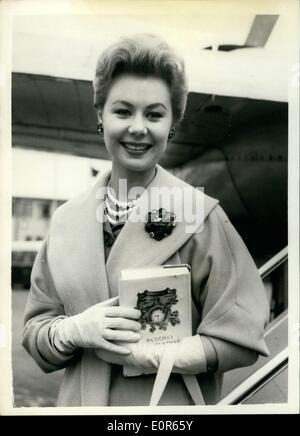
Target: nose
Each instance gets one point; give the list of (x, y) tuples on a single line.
[(137, 127)]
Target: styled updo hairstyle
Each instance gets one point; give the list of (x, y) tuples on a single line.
[(142, 55)]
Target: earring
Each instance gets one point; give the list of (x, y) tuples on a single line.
[(171, 134), (100, 129)]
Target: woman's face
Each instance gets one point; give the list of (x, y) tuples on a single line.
[(137, 118)]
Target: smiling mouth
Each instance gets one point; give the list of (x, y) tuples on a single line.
[(136, 147)]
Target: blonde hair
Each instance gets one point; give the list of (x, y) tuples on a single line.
[(142, 55)]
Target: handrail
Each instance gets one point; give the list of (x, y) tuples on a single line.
[(259, 377), (256, 380), (273, 263), (268, 379)]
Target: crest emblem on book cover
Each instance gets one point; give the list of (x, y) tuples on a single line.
[(156, 309)]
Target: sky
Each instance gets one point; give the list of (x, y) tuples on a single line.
[(67, 45)]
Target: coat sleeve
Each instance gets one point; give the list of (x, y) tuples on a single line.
[(43, 308), (228, 292)]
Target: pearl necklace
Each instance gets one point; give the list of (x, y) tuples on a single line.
[(113, 215), (120, 204), (118, 213)]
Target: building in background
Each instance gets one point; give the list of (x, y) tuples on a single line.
[(42, 181)]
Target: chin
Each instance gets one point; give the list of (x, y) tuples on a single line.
[(139, 166)]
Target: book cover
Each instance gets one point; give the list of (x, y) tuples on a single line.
[(163, 295)]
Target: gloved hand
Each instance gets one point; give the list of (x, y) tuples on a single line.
[(190, 358), (143, 356), (96, 327)]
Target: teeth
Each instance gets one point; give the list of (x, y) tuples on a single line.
[(136, 147)]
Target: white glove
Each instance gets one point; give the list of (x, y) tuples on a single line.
[(96, 326), (190, 358), (143, 356)]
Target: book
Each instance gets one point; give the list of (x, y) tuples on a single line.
[(163, 295)]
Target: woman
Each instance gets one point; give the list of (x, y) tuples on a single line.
[(140, 96)]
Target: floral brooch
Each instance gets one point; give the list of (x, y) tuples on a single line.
[(160, 223)]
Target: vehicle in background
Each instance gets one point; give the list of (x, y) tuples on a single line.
[(23, 255)]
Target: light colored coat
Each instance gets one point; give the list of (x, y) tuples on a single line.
[(70, 275)]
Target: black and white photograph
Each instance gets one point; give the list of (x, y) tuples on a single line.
[(150, 192)]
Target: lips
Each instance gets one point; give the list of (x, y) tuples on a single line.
[(136, 147)]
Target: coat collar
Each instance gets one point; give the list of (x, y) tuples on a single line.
[(76, 251)]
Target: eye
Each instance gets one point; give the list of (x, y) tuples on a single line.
[(154, 115), (122, 112)]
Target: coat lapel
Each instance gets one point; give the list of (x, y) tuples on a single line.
[(76, 251), (134, 248)]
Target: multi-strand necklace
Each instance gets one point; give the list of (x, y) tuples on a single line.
[(119, 211)]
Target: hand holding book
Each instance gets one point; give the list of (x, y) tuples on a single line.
[(100, 326), (163, 295)]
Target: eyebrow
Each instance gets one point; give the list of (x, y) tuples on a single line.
[(151, 106)]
